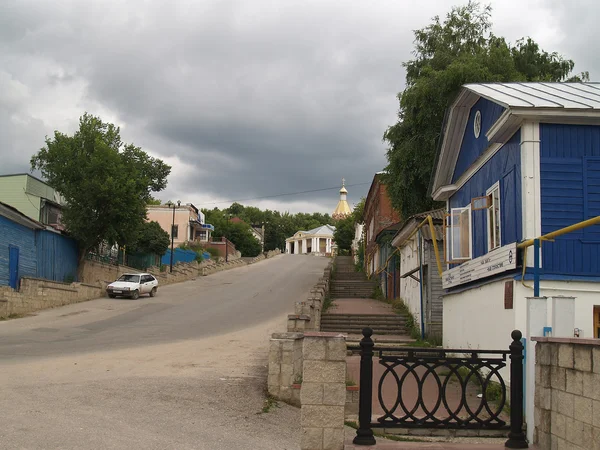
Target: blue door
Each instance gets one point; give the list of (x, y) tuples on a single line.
[(13, 266)]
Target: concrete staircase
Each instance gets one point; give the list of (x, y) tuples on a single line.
[(354, 323), (355, 309), (348, 283)]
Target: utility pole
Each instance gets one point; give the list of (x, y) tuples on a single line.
[(169, 204)]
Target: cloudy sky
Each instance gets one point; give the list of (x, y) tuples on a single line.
[(244, 98)]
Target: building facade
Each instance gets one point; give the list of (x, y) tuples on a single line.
[(379, 215), (187, 221), (419, 281), (318, 241), (33, 197), (28, 248)]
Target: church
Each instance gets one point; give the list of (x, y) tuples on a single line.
[(319, 241)]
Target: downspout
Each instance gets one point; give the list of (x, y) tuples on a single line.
[(536, 268), (421, 285)]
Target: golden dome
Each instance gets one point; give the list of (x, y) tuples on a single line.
[(342, 210)]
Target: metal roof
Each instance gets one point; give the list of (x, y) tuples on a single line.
[(17, 216), (541, 95)]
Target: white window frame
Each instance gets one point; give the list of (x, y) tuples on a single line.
[(490, 217), (451, 232)]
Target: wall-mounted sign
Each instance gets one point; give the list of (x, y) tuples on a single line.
[(496, 261)]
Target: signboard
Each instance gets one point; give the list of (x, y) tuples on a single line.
[(492, 263)]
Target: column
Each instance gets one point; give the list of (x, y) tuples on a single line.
[(314, 248), (323, 392), (287, 247), (303, 245)]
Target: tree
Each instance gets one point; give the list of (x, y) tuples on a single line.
[(344, 233), (151, 239), (106, 184), (154, 201), (358, 213), (448, 54)]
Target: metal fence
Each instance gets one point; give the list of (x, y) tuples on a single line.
[(446, 382)]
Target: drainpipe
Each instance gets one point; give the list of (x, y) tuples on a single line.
[(536, 268), (421, 284)]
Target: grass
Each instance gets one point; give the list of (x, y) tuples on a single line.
[(14, 316), (327, 303), (269, 404)]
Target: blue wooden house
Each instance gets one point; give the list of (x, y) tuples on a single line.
[(518, 161), (30, 249)]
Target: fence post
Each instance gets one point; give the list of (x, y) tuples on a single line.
[(516, 437), (364, 434)]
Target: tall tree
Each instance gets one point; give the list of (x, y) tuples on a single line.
[(106, 184), (449, 53), (344, 233)]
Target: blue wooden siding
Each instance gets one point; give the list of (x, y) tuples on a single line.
[(570, 193), (505, 167), (471, 146), (57, 256), (22, 237)]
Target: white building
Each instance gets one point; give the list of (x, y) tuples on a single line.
[(318, 241), (358, 238)]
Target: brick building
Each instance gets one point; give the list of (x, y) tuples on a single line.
[(382, 221)]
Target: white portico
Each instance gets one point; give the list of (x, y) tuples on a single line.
[(318, 241)]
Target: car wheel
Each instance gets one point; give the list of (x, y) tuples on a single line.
[(112, 295), (153, 292), (135, 295)]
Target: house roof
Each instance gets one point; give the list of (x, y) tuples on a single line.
[(413, 222), (569, 103), (17, 216), (540, 95), (324, 230)]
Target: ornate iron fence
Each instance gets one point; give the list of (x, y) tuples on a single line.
[(446, 383)]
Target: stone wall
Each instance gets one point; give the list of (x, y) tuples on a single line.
[(323, 393), (307, 314), (266, 255), (35, 294), (567, 394), (285, 366)]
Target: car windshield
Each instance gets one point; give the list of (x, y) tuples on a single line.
[(130, 278)]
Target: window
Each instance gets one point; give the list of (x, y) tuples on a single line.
[(458, 234), (493, 217), (175, 231), (597, 322)]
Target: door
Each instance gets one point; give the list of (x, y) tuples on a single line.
[(13, 266), (597, 322)]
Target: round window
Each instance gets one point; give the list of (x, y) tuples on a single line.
[(477, 124)]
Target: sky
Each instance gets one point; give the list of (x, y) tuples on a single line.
[(243, 98)]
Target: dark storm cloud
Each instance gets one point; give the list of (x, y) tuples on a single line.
[(244, 98)]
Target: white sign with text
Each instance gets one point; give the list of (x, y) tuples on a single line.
[(496, 261)]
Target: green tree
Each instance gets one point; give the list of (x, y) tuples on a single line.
[(106, 184), (151, 239), (344, 233), (449, 53), (154, 201), (358, 213)]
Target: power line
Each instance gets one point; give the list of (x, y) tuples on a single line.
[(283, 195)]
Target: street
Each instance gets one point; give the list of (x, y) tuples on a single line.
[(183, 370)]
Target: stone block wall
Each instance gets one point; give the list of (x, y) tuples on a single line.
[(285, 366), (35, 294), (323, 392), (567, 394), (307, 316)]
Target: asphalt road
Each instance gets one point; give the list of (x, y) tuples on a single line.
[(186, 369)]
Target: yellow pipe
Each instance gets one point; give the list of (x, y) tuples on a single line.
[(429, 220), (570, 228)]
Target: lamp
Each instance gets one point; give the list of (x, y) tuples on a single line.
[(169, 204)]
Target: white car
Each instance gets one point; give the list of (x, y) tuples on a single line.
[(133, 285)]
